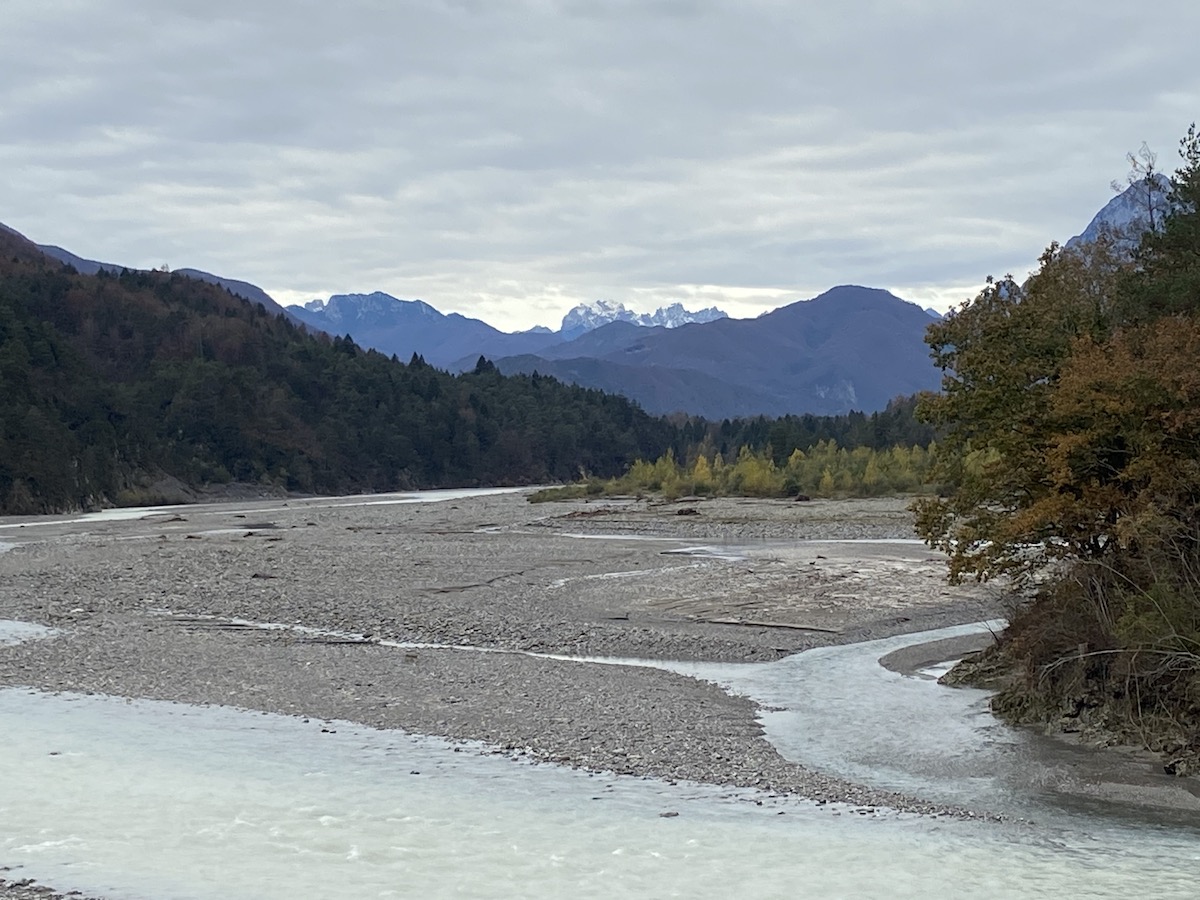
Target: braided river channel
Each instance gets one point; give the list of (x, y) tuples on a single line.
[(126, 799), (142, 799)]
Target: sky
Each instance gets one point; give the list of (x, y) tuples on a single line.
[(509, 160)]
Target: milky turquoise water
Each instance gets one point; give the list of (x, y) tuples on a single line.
[(151, 799), (137, 799), (141, 799)]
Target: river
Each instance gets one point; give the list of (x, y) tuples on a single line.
[(137, 799), (133, 799)]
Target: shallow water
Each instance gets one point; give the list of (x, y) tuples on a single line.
[(142, 798), (134, 513), (838, 710), (153, 799), (15, 632)]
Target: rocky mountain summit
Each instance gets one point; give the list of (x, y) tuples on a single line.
[(1139, 208), (374, 309), (590, 316)]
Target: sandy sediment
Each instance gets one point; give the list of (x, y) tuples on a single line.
[(152, 607)]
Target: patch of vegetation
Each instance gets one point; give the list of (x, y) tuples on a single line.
[(1070, 427), (825, 470), (579, 491)]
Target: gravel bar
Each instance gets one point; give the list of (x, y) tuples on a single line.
[(157, 605)]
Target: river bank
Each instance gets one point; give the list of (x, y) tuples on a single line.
[(145, 608), (163, 605)]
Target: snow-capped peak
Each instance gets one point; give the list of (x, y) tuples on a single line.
[(589, 316)]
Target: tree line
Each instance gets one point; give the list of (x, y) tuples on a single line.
[(111, 379)]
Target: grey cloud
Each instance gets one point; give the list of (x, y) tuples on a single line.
[(548, 152)]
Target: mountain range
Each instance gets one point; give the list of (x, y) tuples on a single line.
[(589, 316), (851, 348)]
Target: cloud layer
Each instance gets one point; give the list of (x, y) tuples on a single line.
[(508, 160)]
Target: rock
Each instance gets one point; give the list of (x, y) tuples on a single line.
[(1181, 766)]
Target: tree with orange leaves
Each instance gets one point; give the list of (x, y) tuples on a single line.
[(1070, 420)]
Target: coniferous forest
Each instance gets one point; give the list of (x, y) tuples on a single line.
[(111, 381)]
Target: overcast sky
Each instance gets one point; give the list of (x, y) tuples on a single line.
[(509, 160)]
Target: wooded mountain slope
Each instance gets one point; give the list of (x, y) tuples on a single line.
[(109, 380)]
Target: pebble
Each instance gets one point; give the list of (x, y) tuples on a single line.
[(424, 574)]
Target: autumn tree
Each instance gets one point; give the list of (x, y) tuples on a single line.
[(1070, 415), (1042, 469), (1002, 357)]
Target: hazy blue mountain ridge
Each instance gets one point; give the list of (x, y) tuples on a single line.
[(850, 348), (455, 342), (404, 327)]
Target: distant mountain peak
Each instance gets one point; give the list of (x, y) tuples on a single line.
[(375, 306), (1130, 214), (590, 316)]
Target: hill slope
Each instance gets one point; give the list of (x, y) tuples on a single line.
[(113, 380), (243, 289)]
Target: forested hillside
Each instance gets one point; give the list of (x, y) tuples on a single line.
[(1071, 428), (112, 379)]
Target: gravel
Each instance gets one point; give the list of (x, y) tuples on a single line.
[(150, 607)]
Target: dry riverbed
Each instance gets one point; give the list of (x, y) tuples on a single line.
[(158, 605)]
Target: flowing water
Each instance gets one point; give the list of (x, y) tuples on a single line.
[(142, 799), (137, 799), (837, 709)]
